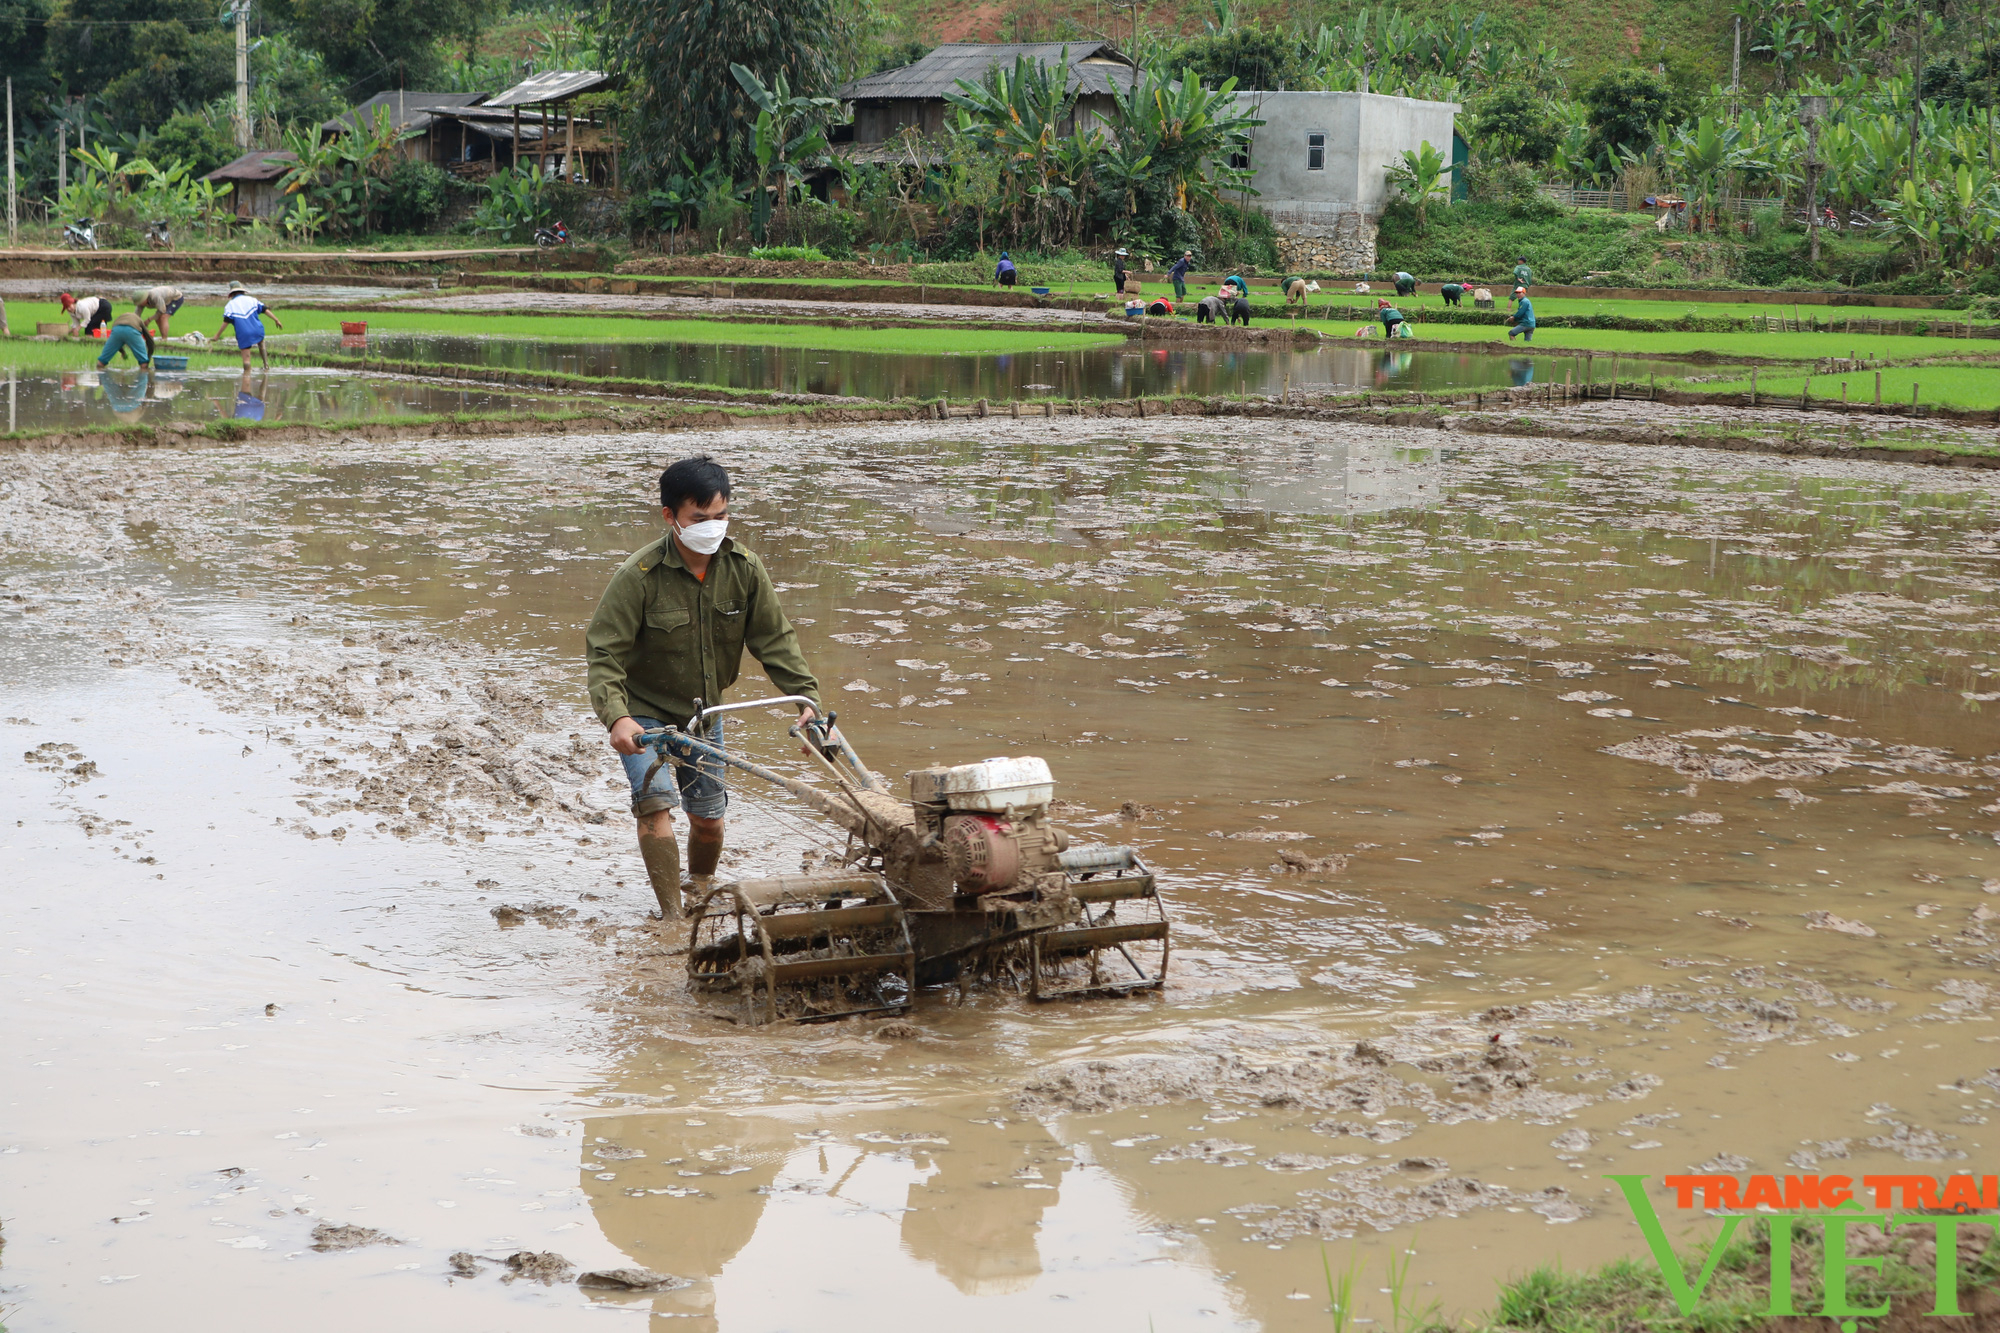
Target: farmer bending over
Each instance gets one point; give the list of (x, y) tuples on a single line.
[(1452, 292), (1406, 284), (244, 313), (158, 304), (87, 315), (1389, 315), (1003, 272), (672, 628), (128, 334)]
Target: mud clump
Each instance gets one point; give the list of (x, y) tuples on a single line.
[(632, 1279), (543, 1266), (547, 915), (336, 1237), (464, 1264), (897, 1029)]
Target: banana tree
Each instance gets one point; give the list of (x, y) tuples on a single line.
[(1018, 116), (1706, 155), (789, 134), (1420, 174), (1176, 135)]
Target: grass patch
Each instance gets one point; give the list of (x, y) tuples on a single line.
[(1971, 388), (1632, 1295), (1719, 346)]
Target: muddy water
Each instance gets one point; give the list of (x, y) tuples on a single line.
[(1673, 773), (1102, 372), (80, 399)]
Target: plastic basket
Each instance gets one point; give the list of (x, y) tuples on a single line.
[(352, 328), (1039, 291), (170, 363)]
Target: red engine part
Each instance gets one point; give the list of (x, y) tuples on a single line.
[(983, 853)]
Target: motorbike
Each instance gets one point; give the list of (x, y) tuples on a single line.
[(553, 235), (158, 235), (80, 234)]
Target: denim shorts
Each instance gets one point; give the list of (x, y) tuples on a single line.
[(701, 793)]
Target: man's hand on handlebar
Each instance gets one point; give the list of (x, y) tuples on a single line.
[(625, 736)]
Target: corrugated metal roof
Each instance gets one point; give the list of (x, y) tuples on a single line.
[(262, 165), (410, 110), (1093, 68), (552, 86)]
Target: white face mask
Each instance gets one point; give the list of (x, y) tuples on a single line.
[(704, 538)]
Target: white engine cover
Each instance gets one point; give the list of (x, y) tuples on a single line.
[(1016, 786)]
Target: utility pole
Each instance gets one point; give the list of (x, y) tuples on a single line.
[(241, 12), (1916, 89), (1810, 111), (1736, 68), (13, 225)]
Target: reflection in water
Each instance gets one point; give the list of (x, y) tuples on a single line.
[(1099, 372), (988, 1226), (82, 398)]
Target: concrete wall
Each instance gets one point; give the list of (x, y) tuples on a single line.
[(1331, 210), (1364, 133)]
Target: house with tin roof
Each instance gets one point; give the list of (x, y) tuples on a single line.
[(913, 97)]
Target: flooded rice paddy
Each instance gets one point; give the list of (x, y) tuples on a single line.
[(1527, 812), (1102, 372), (211, 390)]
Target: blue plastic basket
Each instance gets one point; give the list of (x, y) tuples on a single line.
[(1039, 291), (170, 363)]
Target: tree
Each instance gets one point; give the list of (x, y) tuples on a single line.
[(675, 54), (1254, 58), (24, 49), (789, 134), (141, 58), (1624, 105), (373, 45), (1421, 174), (1517, 123), (191, 139)]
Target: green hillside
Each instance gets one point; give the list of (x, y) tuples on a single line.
[(1595, 37)]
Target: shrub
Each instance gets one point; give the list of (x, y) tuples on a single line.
[(192, 139), (817, 226), (413, 197), (788, 254)]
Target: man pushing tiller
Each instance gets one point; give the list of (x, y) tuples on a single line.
[(671, 630)]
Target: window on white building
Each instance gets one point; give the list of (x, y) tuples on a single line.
[(1315, 152)]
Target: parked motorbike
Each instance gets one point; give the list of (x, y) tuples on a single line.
[(80, 234), (158, 236), (553, 235)]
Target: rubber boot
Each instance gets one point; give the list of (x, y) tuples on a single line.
[(703, 854), (663, 867)]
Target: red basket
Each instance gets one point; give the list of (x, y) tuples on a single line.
[(352, 329)]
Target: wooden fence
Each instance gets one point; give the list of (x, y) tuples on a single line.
[(1618, 201)]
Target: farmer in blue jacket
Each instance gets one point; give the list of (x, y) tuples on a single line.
[(1003, 272), (1524, 317), (1179, 274)]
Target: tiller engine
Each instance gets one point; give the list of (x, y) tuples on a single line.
[(966, 882)]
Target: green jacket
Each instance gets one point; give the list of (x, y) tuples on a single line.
[(1523, 276), (662, 638)]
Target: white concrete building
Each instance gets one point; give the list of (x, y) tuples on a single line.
[(1319, 162)]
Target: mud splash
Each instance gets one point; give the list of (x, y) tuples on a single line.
[(1583, 749)]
